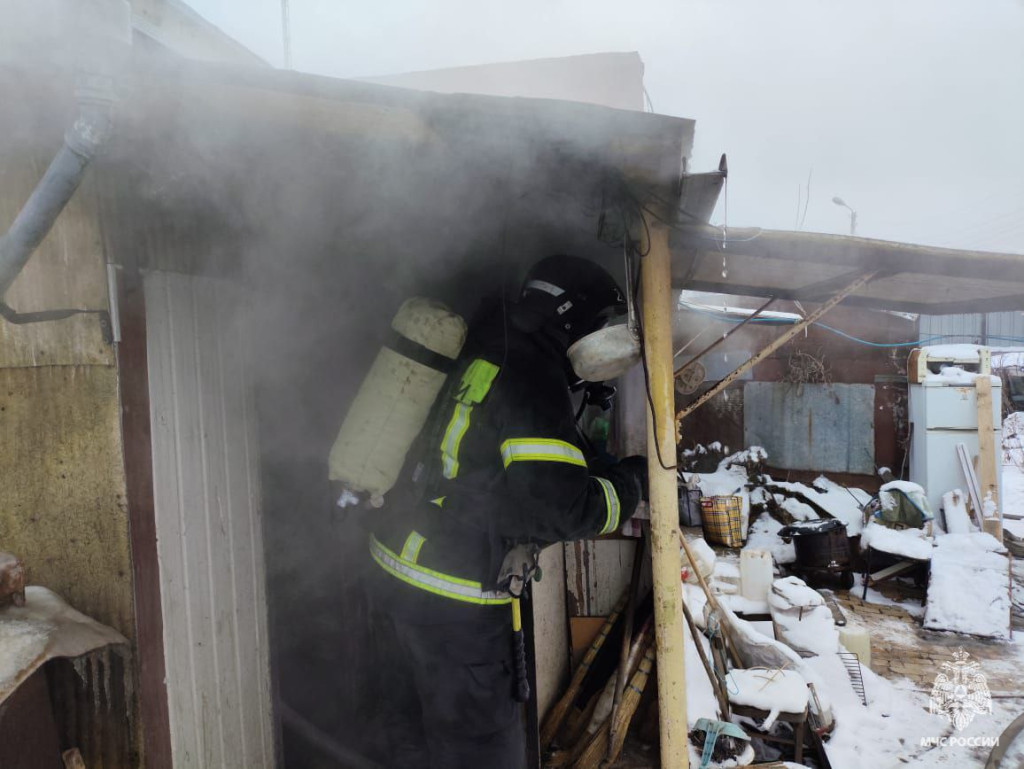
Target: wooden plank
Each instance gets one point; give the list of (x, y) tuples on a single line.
[(893, 571), (967, 467), (987, 468)]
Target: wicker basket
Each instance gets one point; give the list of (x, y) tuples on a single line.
[(722, 520)]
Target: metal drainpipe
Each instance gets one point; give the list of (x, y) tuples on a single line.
[(96, 94)]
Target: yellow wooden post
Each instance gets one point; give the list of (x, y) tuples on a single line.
[(664, 496)]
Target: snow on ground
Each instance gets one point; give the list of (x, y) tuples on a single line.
[(969, 587)]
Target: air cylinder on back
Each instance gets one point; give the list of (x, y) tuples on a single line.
[(396, 396)]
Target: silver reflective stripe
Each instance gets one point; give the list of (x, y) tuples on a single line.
[(453, 439), (411, 548), (543, 285), (434, 581), (540, 450), (612, 505)]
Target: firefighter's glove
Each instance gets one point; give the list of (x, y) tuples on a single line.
[(637, 466)]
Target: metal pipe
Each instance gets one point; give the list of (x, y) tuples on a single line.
[(106, 38), (725, 336), (656, 283)]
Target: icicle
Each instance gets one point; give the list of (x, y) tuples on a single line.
[(106, 676), (94, 675), (725, 268), (79, 664)]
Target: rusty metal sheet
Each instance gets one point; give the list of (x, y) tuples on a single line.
[(825, 428)]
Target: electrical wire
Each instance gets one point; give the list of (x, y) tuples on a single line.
[(647, 374)]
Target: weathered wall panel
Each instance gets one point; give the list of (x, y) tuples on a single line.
[(67, 271), (812, 427), (209, 531), (550, 628), (62, 497), (597, 574)]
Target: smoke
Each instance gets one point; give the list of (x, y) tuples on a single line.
[(326, 204)]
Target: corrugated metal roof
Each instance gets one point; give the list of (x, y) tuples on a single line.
[(809, 266)]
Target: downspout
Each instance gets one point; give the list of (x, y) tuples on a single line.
[(96, 94)]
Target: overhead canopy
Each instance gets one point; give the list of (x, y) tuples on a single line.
[(809, 266)]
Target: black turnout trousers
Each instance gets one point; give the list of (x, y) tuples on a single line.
[(447, 694)]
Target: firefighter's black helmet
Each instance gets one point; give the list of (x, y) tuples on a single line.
[(569, 296)]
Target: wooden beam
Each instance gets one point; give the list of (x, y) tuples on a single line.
[(988, 478), (664, 496), (759, 356)]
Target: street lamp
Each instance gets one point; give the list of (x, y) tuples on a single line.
[(853, 214)]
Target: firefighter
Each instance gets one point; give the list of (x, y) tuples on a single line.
[(499, 473)]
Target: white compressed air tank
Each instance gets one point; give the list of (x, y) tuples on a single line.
[(395, 399)]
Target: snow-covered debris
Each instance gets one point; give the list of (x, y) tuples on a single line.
[(882, 735), (764, 535), (838, 501), (1013, 439), (802, 619), (752, 456), (909, 543), (955, 375), (954, 512), (777, 691), (799, 510), (968, 590), (704, 556)]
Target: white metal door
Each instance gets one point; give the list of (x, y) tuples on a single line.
[(209, 540)]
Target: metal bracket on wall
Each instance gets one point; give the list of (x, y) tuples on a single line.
[(44, 316)]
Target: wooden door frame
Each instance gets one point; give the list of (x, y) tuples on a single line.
[(133, 372)]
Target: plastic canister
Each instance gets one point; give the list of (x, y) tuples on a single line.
[(756, 574), (857, 639)]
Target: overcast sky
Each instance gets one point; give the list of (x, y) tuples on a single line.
[(911, 110)]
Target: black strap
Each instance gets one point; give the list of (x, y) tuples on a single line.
[(417, 352)]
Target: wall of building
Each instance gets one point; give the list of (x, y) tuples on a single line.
[(842, 360), (63, 506), (998, 329), (62, 502)]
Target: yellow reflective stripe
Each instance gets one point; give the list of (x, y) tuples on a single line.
[(612, 506), (477, 381), (453, 436), (411, 548), (434, 581), (540, 450)]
